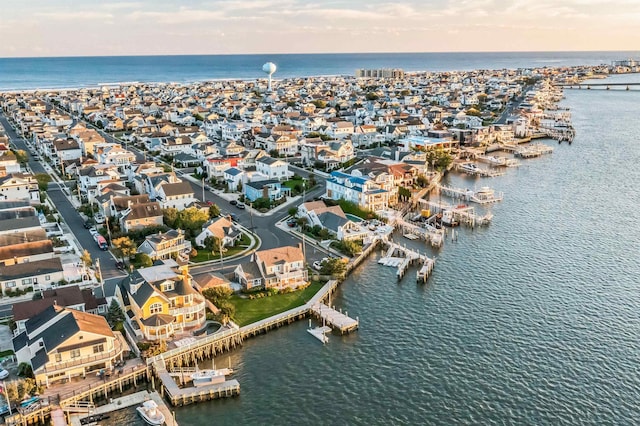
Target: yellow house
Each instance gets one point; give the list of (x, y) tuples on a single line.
[(161, 301), (61, 343)]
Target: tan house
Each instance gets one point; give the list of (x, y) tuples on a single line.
[(165, 245), (142, 215), (62, 343), (280, 268)]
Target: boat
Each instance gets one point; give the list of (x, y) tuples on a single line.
[(410, 236), (448, 218), (485, 195), (469, 168), (150, 413), (494, 161), (210, 376)]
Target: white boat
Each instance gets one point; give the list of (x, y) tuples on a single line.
[(410, 236), (494, 161), (150, 413), (485, 195), (469, 168), (210, 376)]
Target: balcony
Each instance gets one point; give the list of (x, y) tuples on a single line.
[(52, 367), (198, 306)]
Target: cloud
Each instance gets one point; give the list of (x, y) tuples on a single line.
[(75, 15)]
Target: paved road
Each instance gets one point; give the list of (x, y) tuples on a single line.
[(512, 106), (65, 208)]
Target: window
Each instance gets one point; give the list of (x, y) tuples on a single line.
[(10, 284), (156, 308), (75, 353), (58, 357), (47, 277), (26, 281), (98, 348)]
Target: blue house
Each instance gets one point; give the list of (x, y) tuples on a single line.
[(269, 188)]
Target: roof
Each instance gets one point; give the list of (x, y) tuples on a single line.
[(61, 296), (26, 249), (179, 188), (144, 210), (19, 223), (331, 220), (30, 269), (157, 320), (279, 255), (210, 279)]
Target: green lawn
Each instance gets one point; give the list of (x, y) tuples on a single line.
[(204, 255), (251, 310)]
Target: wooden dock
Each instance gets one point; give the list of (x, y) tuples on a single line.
[(423, 273), (335, 319), (405, 258), (188, 395)]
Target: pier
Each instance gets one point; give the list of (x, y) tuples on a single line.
[(484, 195), (472, 170), (462, 213), (335, 319), (188, 395), (405, 258), (426, 232)]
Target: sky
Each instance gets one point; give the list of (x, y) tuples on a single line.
[(30, 28)]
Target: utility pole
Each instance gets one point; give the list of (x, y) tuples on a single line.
[(251, 213), (203, 189), (100, 280)]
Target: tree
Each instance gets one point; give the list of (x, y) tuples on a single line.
[(124, 247), (312, 180), (114, 314), (372, 96), (21, 156), (319, 103), (43, 181), (352, 247), (143, 260), (302, 221), (334, 266), (214, 211), (170, 217), (213, 244), (193, 218), (86, 258), (293, 211)]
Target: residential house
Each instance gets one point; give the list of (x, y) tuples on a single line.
[(360, 190), (221, 228), (273, 168), (165, 245), (70, 296), (175, 195), (24, 276), (280, 268), (23, 252), (139, 216), (61, 343), (160, 301), (269, 189), (233, 177), (333, 219), (19, 186)]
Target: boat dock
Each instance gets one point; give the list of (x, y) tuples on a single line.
[(405, 258), (483, 195), (319, 333), (188, 395), (477, 171), (335, 319), (423, 273), (426, 232), (462, 213), (534, 150)]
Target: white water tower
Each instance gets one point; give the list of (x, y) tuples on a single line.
[(269, 68)]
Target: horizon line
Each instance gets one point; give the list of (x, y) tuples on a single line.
[(316, 53)]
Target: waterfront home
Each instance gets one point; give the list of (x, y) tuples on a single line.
[(24, 276), (71, 297), (221, 228), (160, 301), (164, 245), (141, 216), (333, 219), (280, 268), (269, 189), (61, 343), (360, 190), (273, 168), (19, 186)]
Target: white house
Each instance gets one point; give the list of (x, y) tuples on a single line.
[(19, 186), (273, 168)]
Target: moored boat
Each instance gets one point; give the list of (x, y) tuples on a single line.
[(150, 413)]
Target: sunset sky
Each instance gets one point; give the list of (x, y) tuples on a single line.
[(92, 27)]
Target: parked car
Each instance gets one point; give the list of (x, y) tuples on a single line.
[(233, 202), (240, 205), (233, 217), (119, 265), (99, 218), (292, 223), (94, 232), (88, 224), (3, 374)]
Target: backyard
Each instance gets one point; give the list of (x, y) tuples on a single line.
[(204, 255), (248, 311)]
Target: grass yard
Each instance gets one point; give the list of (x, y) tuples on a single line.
[(251, 310), (204, 255)]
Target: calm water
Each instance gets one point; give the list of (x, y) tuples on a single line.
[(533, 320), (33, 73)]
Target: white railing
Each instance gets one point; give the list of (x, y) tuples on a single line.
[(188, 309)]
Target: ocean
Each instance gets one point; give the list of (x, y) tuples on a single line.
[(67, 72)]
